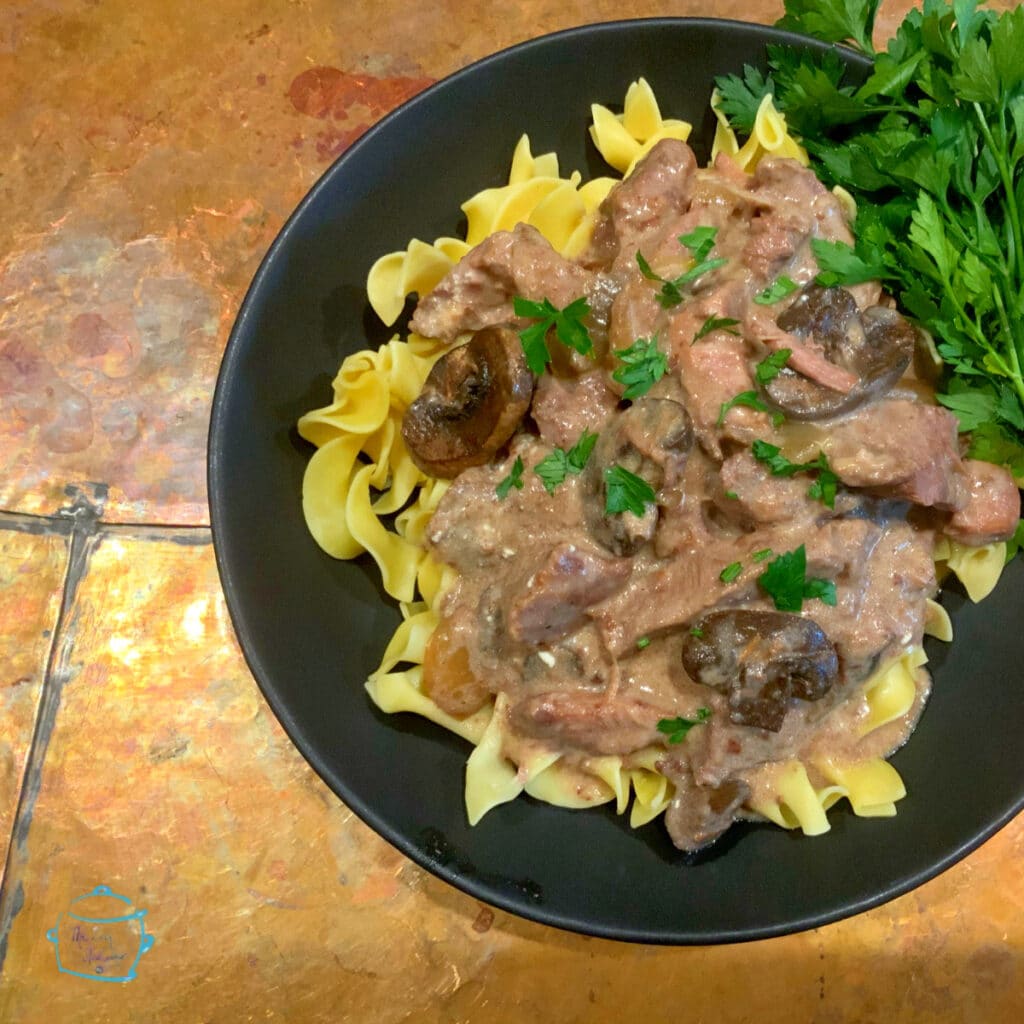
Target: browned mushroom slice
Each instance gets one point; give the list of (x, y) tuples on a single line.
[(472, 401), (698, 815), (876, 346), (760, 661), (650, 439)]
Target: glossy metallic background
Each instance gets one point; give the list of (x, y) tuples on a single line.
[(149, 152)]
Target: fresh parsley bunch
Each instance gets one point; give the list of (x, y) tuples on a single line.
[(931, 146)]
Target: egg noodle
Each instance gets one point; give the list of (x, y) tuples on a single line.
[(362, 493)]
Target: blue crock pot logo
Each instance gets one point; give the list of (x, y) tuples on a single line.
[(101, 936)]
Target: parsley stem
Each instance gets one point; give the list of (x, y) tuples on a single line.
[(1015, 233), (1014, 346)]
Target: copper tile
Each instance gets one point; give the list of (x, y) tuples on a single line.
[(32, 568), (167, 779)]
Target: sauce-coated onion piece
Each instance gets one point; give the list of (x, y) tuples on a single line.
[(760, 661), (471, 403)]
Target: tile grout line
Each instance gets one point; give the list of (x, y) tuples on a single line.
[(80, 522)]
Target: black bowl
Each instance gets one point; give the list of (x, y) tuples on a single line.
[(312, 628)]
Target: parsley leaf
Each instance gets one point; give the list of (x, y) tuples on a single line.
[(626, 492), (643, 366), (739, 98), (700, 241), (841, 264), (716, 323), (568, 324), (752, 400), (785, 582), (642, 642), (833, 21), (770, 367), (671, 291), (677, 728), (731, 572), (558, 464), (514, 479), (824, 486), (776, 291)]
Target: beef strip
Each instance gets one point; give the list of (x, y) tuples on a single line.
[(645, 204), (901, 449), (563, 407), (478, 291), (992, 509), (588, 721), (555, 598)]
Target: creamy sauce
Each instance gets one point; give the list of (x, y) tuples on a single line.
[(582, 618)]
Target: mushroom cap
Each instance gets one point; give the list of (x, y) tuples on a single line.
[(471, 404), (760, 660), (876, 345)]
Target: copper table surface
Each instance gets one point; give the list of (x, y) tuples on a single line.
[(151, 151)]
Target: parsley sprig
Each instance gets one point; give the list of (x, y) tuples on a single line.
[(514, 479), (824, 486), (785, 582), (643, 365), (752, 400), (715, 323), (776, 291), (771, 366), (677, 728), (559, 463), (931, 146), (700, 242), (626, 492), (568, 324)]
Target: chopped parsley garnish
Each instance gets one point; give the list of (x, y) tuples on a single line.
[(700, 241), (785, 582), (671, 291), (558, 464), (514, 479), (776, 291), (716, 323), (643, 365), (732, 495), (626, 492), (568, 324), (771, 366), (642, 642), (731, 572), (697, 632), (824, 486), (677, 728), (760, 556), (752, 400)]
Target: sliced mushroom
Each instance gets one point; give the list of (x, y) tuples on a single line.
[(760, 661), (651, 439), (472, 401), (876, 346)]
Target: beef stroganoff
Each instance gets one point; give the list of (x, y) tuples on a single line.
[(669, 515)]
